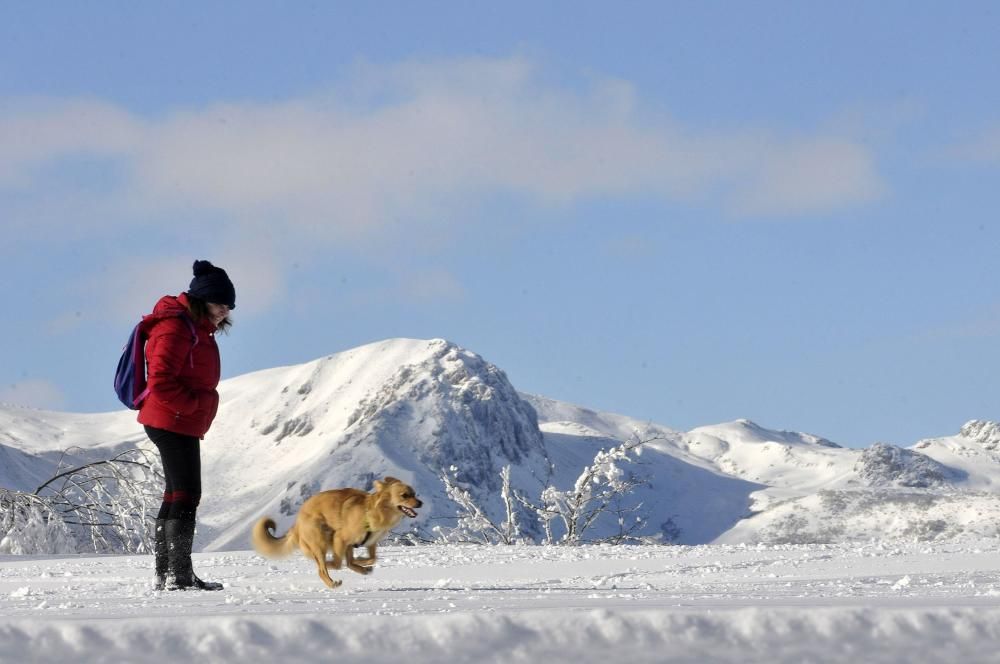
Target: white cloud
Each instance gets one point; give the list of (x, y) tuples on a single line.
[(411, 140), (33, 393), (128, 288), (35, 131), (810, 176)]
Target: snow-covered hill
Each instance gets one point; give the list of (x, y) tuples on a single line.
[(418, 409)]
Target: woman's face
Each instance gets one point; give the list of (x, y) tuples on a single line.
[(217, 312)]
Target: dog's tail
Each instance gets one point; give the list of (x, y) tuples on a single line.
[(270, 546)]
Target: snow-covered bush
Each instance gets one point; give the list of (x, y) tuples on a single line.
[(599, 491), (474, 524), (29, 526), (103, 506)]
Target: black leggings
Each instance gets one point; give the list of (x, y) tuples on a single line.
[(181, 458)]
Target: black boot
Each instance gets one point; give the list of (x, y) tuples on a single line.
[(181, 576), (160, 550)]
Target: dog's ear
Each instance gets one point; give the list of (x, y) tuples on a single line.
[(379, 486), (390, 480)]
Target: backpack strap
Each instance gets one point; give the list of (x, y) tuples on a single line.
[(194, 336)]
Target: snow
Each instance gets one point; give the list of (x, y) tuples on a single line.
[(872, 602), (416, 408), (788, 547)]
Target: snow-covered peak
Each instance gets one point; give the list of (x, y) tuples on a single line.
[(456, 409), (782, 459), (402, 407), (748, 431), (984, 432)]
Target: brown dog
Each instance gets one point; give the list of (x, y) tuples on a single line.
[(345, 518)]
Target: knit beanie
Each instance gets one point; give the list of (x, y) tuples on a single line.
[(212, 284)]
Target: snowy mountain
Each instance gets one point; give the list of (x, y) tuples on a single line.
[(412, 409), (420, 409)]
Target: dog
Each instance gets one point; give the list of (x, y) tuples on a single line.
[(340, 519)]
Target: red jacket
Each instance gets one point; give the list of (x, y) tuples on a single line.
[(181, 375)]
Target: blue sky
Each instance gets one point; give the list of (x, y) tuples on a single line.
[(687, 212)]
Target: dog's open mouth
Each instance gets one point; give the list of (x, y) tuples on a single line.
[(407, 511)]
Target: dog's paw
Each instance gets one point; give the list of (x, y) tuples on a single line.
[(335, 584)]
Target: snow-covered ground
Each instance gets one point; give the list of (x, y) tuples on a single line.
[(775, 562), (874, 602)]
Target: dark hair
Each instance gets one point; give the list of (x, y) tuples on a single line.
[(198, 309)]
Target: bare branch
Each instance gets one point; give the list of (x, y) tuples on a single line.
[(109, 503)]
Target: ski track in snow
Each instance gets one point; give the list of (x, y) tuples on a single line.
[(874, 602)]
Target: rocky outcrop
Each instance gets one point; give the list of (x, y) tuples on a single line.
[(984, 432), (884, 465)]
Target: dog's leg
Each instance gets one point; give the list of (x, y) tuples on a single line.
[(314, 544), (349, 559), (336, 562), (323, 574), (342, 552), (320, 558), (370, 560)]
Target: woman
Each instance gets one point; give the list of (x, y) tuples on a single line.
[(182, 367)]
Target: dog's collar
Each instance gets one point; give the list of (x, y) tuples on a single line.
[(368, 533)]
